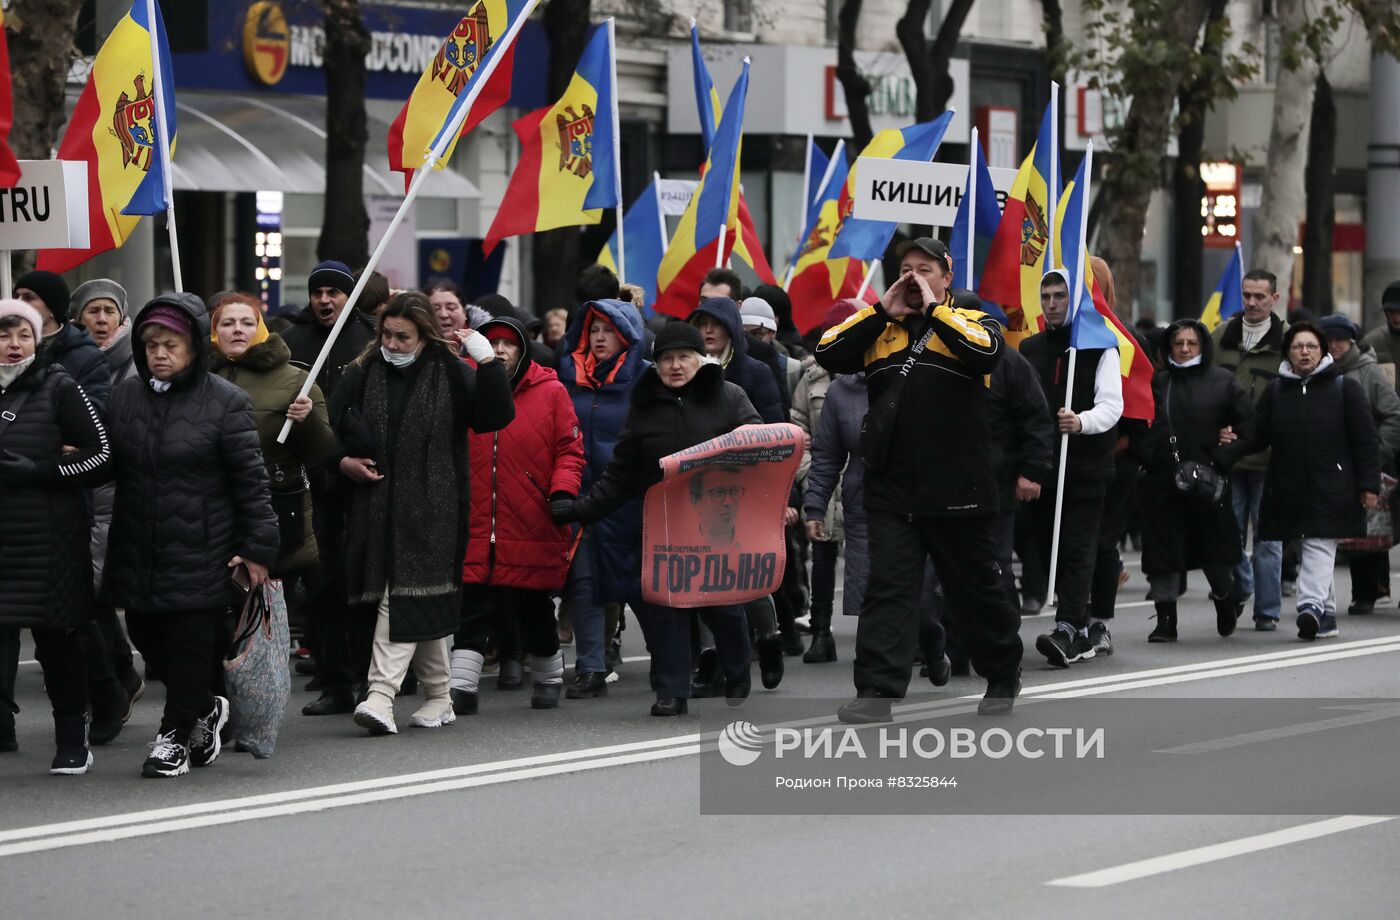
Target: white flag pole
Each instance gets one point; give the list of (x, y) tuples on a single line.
[(719, 253), (865, 283), (617, 148), (163, 135), (970, 283), (1052, 193), (430, 160), (1074, 297), (821, 190)]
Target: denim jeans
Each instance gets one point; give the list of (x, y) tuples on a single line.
[(1261, 572), (590, 620)]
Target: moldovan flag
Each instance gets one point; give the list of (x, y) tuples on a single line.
[(817, 162), (113, 129), (644, 232), (694, 250), (1016, 260), (566, 174), (748, 248), (1092, 323), (979, 209), (817, 280), (865, 240), (1228, 299), (443, 85), (9, 166)]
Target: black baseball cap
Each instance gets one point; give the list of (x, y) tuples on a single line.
[(1390, 300), (931, 247)]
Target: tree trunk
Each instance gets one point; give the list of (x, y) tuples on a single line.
[(928, 63), (1276, 224), (1054, 22), (853, 82), (1126, 188), (1319, 180), (345, 222), (555, 260), (1193, 102), (40, 35)]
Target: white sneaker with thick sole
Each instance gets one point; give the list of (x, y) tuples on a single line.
[(435, 713), (376, 713)]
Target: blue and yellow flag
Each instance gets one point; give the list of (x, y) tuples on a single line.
[(114, 130), (567, 171), (644, 232), (1228, 299), (976, 222)]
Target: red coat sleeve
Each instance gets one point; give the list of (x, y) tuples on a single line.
[(568, 444)]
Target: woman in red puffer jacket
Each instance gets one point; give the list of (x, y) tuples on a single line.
[(517, 557)]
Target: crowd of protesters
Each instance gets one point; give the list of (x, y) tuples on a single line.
[(461, 491)]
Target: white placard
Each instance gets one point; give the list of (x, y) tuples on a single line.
[(400, 260), (675, 195), (47, 208), (911, 192)]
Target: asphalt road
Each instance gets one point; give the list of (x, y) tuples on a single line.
[(595, 808)]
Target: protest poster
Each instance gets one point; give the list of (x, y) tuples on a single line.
[(712, 529)]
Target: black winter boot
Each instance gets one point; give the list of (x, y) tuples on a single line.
[(71, 738), (1226, 613), (823, 647), (1166, 623), (770, 661)]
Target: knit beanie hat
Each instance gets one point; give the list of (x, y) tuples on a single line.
[(51, 288), (1338, 327), (170, 317), (26, 312), (331, 274), (89, 291), (678, 335), (839, 312)]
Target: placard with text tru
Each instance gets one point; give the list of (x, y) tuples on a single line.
[(909, 192), (47, 208)]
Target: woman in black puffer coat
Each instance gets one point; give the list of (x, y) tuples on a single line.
[(45, 568), (1203, 416), (1324, 468), (191, 510), (680, 401)]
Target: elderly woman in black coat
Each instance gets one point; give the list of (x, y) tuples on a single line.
[(1202, 416), (680, 401), (1324, 467), (52, 444), (192, 518)]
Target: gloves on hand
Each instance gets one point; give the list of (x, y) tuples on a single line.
[(477, 346), (562, 509), (21, 471)]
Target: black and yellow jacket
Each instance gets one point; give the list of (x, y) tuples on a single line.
[(939, 456)]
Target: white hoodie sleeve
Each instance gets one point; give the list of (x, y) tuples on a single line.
[(1108, 396)]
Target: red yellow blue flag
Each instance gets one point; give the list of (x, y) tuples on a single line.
[(818, 280), (446, 82), (114, 130), (567, 171)]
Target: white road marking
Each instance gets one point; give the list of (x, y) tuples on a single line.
[(297, 801), (1200, 855), (1361, 715)]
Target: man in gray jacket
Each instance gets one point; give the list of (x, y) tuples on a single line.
[(1370, 572)]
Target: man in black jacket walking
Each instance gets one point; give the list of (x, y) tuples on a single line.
[(930, 490)]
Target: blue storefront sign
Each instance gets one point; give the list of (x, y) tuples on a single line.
[(269, 46)]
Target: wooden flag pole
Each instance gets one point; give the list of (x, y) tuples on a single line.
[(430, 160), (163, 133), (1074, 298)]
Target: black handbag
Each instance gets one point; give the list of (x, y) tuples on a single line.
[(1195, 480), (288, 493), (876, 428)]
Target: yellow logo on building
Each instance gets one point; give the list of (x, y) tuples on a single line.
[(266, 42)]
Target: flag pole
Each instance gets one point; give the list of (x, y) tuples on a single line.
[(971, 283), (163, 133), (821, 190), (434, 155), (1074, 298), (719, 253), (617, 148), (1052, 193)]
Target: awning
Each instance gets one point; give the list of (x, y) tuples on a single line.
[(276, 142)]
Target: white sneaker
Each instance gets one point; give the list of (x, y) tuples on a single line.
[(376, 713), (434, 713)]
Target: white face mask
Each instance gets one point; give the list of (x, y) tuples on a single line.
[(398, 359), (9, 373)]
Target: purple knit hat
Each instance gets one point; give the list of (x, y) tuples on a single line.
[(170, 317), (26, 312)]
